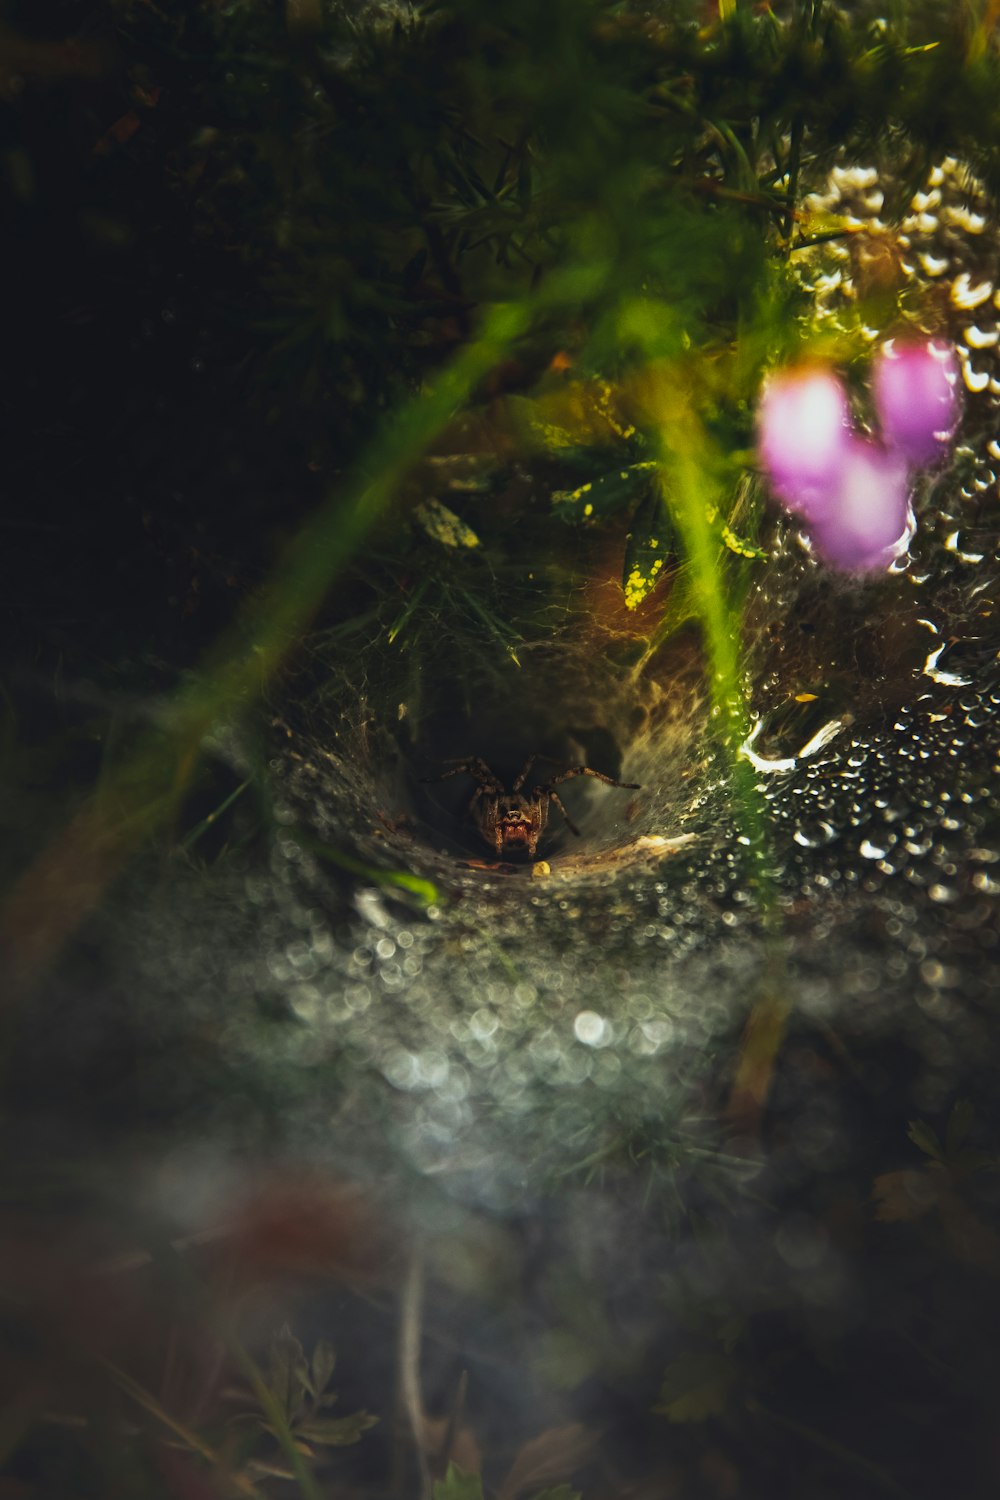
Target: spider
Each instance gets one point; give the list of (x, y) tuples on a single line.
[(510, 820)]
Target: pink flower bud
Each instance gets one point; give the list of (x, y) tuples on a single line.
[(803, 430), (869, 522), (916, 397)]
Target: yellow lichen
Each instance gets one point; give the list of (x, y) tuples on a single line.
[(442, 525)]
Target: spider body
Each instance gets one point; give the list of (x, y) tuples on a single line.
[(510, 821)]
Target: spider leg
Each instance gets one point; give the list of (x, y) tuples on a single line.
[(474, 766), (488, 826), (546, 791), (631, 786), (481, 791), (523, 773)]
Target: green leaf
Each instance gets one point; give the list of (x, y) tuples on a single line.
[(443, 526), (553, 438), (596, 499), (288, 1377), (696, 1386), (323, 1363), (646, 550), (424, 890), (925, 1139), (335, 1432), (741, 545), (457, 1485)]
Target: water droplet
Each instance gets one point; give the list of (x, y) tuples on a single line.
[(936, 674), (591, 1029), (966, 295), (814, 835)]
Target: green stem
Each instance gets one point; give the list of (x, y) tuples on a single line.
[(794, 160), (426, 890), (272, 1409), (691, 491), (206, 823), (190, 1439)]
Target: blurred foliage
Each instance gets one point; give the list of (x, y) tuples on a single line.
[(136, 1374), (292, 215), (297, 1392), (457, 1485)]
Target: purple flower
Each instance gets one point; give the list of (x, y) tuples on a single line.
[(853, 493), (869, 521), (803, 433), (916, 397)]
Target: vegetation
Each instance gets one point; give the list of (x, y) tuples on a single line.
[(384, 332), (309, 246)]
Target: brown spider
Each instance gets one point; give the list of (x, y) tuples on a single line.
[(509, 820)]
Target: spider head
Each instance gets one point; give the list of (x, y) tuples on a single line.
[(517, 823), (514, 821), (515, 832)]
